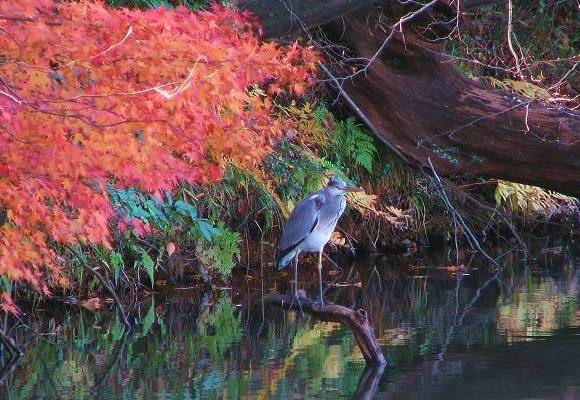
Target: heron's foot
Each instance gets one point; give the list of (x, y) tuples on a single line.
[(296, 299)]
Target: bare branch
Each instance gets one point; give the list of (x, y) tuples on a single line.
[(357, 321), (509, 38), (458, 217)]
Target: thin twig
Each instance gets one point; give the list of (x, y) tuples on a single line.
[(468, 234), (8, 367), (109, 289), (11, 344), (509, 38), (555, 85), (108, 49), (361, 114), (451, 332), (515, 233), (396, 27)]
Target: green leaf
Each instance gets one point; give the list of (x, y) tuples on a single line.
[(149, 318), (221, 253), (116, 260), (148, 264), (162, 326), (5, 283), (365, 159), (155, 212), (117, 330), (186, 209), (207, 230), (497, 195)]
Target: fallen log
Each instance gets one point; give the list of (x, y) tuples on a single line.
[(283, 17), (279, 18), (421, 104), (415, 99), (357, 321)]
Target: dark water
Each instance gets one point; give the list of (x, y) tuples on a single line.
[(447, 334)]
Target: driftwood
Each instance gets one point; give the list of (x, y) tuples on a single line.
[(368, 383), (357, 321), (415, 99)]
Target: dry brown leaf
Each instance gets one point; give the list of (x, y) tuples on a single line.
[(92, 304)]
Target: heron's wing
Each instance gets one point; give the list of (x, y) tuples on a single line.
[(302, 220)]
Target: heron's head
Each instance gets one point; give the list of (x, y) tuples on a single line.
[(339, 186)]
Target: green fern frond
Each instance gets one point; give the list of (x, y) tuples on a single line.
[(532, 200), (352, 144), (221, 252), (523, 88)]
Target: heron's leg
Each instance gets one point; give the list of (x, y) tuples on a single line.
[(295, 297), (296, 276), (320, 276)]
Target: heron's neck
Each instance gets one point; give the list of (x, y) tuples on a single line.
[(335, 192)]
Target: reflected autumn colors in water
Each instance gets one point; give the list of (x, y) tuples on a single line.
[(448, 332)]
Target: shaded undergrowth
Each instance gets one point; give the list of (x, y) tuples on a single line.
[(204, 232)]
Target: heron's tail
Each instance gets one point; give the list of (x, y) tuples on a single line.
[(285, 257)]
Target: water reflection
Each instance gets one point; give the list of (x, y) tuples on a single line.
[(447, 332)]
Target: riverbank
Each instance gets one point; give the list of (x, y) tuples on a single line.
[(222, 343)]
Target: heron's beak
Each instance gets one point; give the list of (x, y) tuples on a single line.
[(353, 189)]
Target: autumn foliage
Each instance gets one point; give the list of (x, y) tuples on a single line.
[(91, 96)]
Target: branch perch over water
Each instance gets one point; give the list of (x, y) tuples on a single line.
[(357, 321)]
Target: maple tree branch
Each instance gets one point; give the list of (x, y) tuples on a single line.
[(182, 87), (129, 32), (18, 19), (29, 19), (55, 149), (108, 49), (11, 97)]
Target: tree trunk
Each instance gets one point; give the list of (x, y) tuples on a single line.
[(415, 99), (282, 17)]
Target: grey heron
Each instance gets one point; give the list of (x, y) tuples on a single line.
[(310, 226)]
